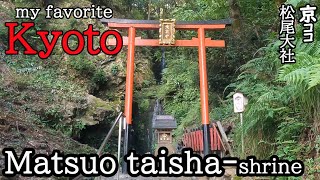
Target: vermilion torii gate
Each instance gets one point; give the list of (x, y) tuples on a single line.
[(167, 29)]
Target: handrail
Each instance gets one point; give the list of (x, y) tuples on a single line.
[(99, 152), (109, 134), (222, 143)]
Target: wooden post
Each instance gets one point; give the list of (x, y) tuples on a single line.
[(225, 138)]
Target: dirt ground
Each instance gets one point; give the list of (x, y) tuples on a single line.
[(19, 133)]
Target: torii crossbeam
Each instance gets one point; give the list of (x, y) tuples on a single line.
[(201, 42)]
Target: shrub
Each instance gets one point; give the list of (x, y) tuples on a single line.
[(84, 66), (114, 70), (99, 77)]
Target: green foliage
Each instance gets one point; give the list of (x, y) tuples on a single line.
[(180, 89), (296, 2), (282, 96), (303, 77), (180, 83), (114, 70), (144, 105), (49, 79), (201, 10), (88, 68), (255, 13), (99, 77), (53, 118), (287, 137), (83, 65)]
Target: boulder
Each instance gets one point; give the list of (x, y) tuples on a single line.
[(97, 110)]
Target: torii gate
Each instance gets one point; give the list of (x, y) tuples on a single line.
[(167, 38)]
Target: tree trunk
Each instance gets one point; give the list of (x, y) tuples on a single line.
[(235, 15), (149, 9)]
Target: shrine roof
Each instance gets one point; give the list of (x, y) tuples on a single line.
[(164, 122)]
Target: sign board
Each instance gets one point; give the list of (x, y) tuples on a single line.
[(239, 102), (167, 31), (164, 137)]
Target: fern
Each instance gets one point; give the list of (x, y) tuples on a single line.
[(278, 93), (314, 76)]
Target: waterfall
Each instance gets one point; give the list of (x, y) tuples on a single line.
[(163, 60), (159, 65), (158, 109)]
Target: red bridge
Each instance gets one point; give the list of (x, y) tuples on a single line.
[(193, 138)]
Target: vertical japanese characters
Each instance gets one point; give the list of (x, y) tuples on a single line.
[(308, 19), (287, 29), (287, 34)]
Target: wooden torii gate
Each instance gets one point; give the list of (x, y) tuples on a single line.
[(167, 38)]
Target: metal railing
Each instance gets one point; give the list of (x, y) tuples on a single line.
[(122, 125)]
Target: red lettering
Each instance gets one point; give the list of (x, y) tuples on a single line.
[(65, 44), (49, 46), (103, 43), (90, 33), (12, 38)]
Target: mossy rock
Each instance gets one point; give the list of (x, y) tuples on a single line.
[(97, 110)]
